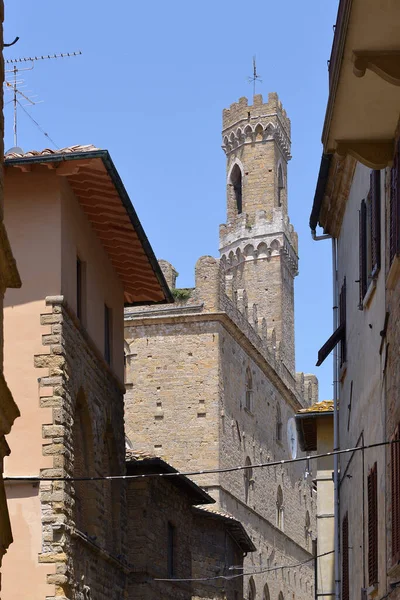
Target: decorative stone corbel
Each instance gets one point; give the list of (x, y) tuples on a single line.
[(375, 154), (385, 64)]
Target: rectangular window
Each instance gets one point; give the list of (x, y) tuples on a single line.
[(394, 208), (107, 333), (80, 289), (171, 543), (395, 475), (345, 559), (373, 526), (370, 235)]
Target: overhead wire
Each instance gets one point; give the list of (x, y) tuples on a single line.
[(275, 463), (259, 572), (37, 125)]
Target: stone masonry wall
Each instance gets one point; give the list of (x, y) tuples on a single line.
[(152, 504), (214, 553), (83, 562)]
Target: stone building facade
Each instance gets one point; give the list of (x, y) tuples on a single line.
[(9, 278), (83, 254), (175, 546), (357, 202), (211, 381)]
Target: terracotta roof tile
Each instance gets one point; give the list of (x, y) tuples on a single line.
[(50, 151), (318, 407)]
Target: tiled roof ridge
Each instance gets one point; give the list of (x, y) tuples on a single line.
[(323, 406), (50, 151)]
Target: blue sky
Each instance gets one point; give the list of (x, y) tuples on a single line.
[(150, 87)]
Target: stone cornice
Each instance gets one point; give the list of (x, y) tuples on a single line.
[(337, 190), (237, 334), (251, 134)]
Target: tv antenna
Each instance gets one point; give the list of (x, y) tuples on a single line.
[(256, 77), (15, 83)]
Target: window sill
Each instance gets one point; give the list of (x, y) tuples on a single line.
[(372, 590), (394, 570), (369, 294), (394, 274)]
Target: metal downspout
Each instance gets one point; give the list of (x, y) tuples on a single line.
[(335, 423)]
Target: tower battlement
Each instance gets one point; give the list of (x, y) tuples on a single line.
[(240, 113)]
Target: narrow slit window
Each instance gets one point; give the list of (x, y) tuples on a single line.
[(281, 185), (171, 541), (107, 333), (80, 289)]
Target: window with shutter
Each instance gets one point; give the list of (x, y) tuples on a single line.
[(345, 559), (373, 526), (394, 208), (342, 323), (363, 252), (375, 222), (370, 235), (395, 475)]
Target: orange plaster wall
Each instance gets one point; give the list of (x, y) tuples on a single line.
[(33, 221), (102, 283), (23, 577)]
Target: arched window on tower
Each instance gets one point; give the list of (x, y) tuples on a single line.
[(251, 594), (248, 480), (236, 182), (281, 185), (266, 595), (280, 597), (249, 390), (279, 508), (278, 423)]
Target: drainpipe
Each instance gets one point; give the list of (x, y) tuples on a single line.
[(335, 423), (336, 499)]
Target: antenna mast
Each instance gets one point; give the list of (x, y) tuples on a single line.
[(256, 77), (16, 83)]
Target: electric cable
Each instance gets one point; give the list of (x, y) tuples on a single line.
[(38, 126), (275, 463), (260, 572)]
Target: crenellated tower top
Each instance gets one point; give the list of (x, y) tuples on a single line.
[(258, 245), (245, 124)]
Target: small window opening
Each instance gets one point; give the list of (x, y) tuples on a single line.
[(236, 182), (80, 289), (281, 185), (252, 589), (171, 541), (307, 530), (278, 423), (248, 480), (107, 333), (249, 390), (279, 508)]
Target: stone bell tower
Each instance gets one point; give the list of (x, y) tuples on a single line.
[(258, 245)]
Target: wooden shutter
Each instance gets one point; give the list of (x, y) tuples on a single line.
[(342, 323), (345, 558), (395, 473), (375, 222), (373, 525), (394, 217), (363, 252)]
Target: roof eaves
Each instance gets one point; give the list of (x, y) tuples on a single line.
[(104, 155)]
